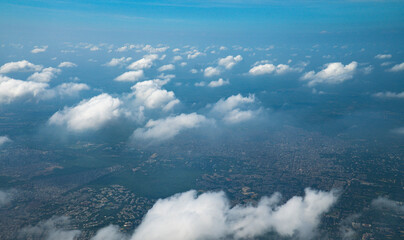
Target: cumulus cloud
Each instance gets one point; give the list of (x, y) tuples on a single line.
[(383, 203), (229, 62), (151, 95), (232, 109), (6, 196), (45, 75), (188, 216), (110, 232), (55, 228), (150, 49), (177, 58), (70, 89), (4, 139), (144, 63), (89, 114), (389, 95), (194, 54), (211, 71), (168, 67), (218, 83), (383, 56), (67, 65), (131, 76), (163, 129), (268, 68), (397, 67), (332, 73), (118, 61), (39, 49), (126, 48), (13, 89), (20, 66)]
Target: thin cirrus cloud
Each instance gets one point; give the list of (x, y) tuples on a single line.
[(164, 129), (389, 95), (332, 73), (130, 76), (89, 114), (20, 66)]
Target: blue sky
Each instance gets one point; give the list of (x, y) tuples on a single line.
[(192, 20)]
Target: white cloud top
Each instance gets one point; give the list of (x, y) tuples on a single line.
[(163, 129), (89, 114), (397, 67), (46, 75), (211, 71), (229, 62), (39, 49), (13, 89), (218, 83), (230, 109), (383, 56), (332, 73), (168, 67), (118, 61), (131, 76), (3, 140), (67, 65), (20, 66), (144, 63)]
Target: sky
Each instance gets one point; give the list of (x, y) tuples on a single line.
[(223, 21)]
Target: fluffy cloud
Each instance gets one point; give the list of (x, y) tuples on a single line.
[(397, 67), (194, 54), (218, 83), (110, 232), (163, 129), (187, 216), (150, 49), (89, 114), (4, 139), (5, 196), (67, 65), (332, 73), (211, 71), (70, 89), (389, 95), (13, 89), (144, 63), (269, 68), (51, 229), (168, 67), (20, 66), (39, 49), (177, 58), (45, 75), (151, 95), (229, 62), (385, 203), (131, 76), (118, 61), (383, 56), (230, 109)]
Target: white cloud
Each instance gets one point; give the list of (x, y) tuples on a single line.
[(230, 109), (229, 62), (131, 76), (118, 61), (13, 89), (5, 196), (218, 83), (193, 71), (383, 56), (39, 49), (176, 50), (51, 229), (211, 71), (223, 48), (332, 73), (188, 216), (397, 67), (177, 58), (144, 63), (149, 94), (194, 54), (67, 65), (4, 139), (126, 48), (110, 232), (163, 129), (150, 49), (45, 75), (70, 89), (94, 48), (168, 67), (398, 130), (200, 84), (89, 114), (389, 95), (20, 66), (183, 64), (385, 203), (268, 68)]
